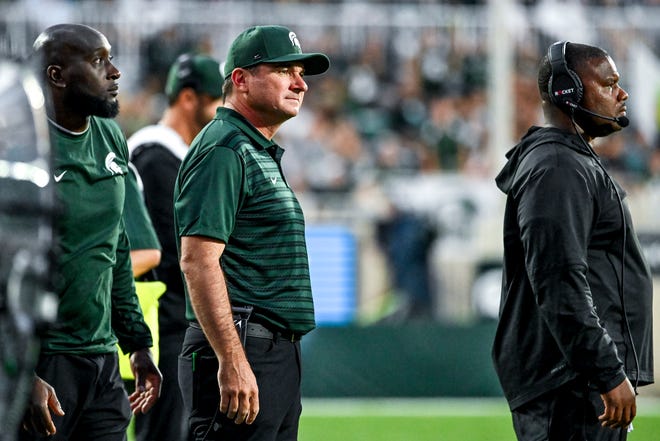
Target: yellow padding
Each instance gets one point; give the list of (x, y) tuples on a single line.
[(148, 295)]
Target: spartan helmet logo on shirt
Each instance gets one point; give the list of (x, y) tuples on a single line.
[(294, 40), (111, 165)]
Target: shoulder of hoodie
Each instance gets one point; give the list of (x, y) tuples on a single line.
[(554, 148)]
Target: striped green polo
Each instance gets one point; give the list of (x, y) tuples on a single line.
[(230, 187)]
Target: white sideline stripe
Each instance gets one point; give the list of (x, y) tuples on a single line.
[(429, 407)]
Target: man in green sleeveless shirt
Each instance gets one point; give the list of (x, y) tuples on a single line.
[(78, 392), (242, 244)]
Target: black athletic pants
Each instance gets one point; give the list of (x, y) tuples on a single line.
[(276, 365), (568, 413), (92, 395)]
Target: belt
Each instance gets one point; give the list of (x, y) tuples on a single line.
[(260, 331)]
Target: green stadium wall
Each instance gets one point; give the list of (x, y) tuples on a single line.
[(411, 360)]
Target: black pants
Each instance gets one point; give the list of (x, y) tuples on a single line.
[(276, 365), (165, 421), (568, 413), (92, 396)]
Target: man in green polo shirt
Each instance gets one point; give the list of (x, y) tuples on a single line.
[(242, 244)]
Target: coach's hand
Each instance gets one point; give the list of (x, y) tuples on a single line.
[(42, 401), (148, 380), (239, 393), (620, 406)]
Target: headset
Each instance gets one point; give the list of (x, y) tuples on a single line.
[(566, 91), (565, 87)]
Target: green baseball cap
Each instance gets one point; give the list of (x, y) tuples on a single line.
[(272, 44), (200, 72)]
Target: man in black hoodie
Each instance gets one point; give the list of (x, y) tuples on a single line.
[(574, 339)]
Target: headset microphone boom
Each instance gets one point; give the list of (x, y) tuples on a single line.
[(621, 120)]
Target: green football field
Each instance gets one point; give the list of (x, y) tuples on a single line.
[(432, 419)]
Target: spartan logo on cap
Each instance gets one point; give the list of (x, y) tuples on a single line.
[(294, 40), (182, 73)]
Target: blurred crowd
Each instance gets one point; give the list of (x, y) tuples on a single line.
[(399, 102)]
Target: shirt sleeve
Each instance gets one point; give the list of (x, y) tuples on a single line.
[(139, 227), (128, 322), (211, 188), (556, 212)]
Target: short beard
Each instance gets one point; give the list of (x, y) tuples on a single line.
[(89, 105), (103, 108)]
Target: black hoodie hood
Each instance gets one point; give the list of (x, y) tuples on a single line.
[(535, 137)]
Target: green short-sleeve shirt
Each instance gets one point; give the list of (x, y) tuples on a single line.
[(230, 187)]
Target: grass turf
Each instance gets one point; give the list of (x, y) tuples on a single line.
[(406, 428), (427, 420)]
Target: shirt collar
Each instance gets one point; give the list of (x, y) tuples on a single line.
[(259, 140)]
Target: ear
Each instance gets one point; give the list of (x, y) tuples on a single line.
[(239, 78), (54, 75)]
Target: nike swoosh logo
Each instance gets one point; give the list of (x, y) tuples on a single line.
[(273, 180), (59, 177)]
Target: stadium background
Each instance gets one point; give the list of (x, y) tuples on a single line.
[(393, 158)]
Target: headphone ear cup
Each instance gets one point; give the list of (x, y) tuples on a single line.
[(579, 89), (566, 88), (564, 85)]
